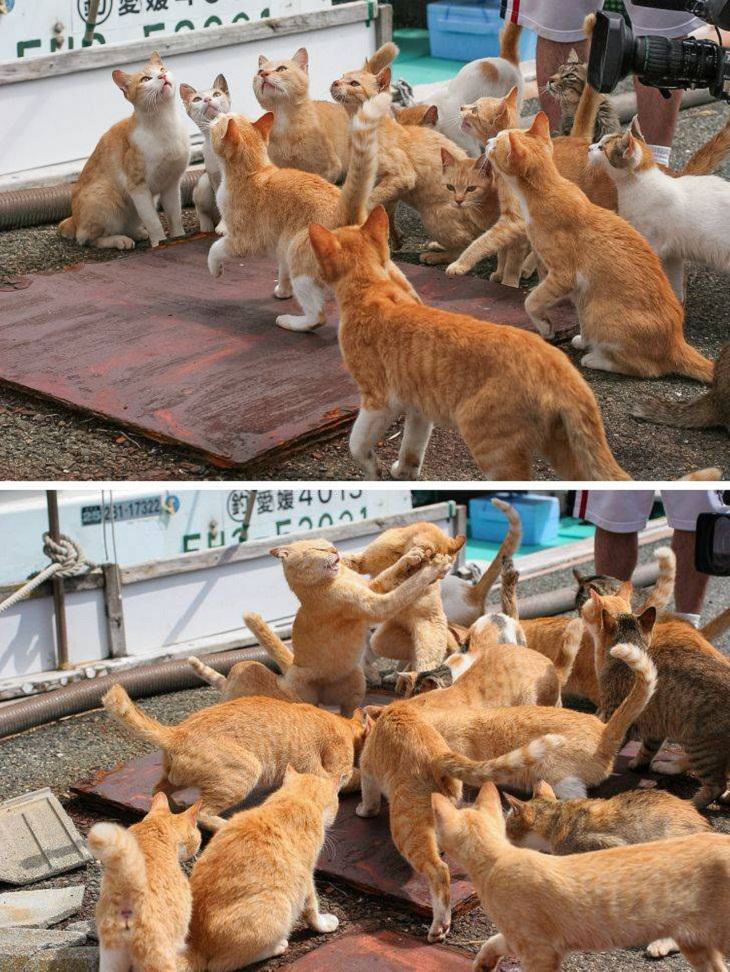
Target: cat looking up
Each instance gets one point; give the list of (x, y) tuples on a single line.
[(203, 107)]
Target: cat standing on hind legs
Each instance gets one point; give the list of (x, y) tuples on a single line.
[(140, 158)]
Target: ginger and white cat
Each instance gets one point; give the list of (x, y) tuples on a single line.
[(630, 320), (516, 397), (245, 678), (256, 878), (606, 899), (683, 218), (286, 201), (145, 156), (203, 107), (144, 905), (228, 749), (337, 607)]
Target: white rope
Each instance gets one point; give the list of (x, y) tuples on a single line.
[(68, 560)]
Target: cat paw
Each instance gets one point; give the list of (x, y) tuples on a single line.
[(398, 471), (363, 811), (438, 931), (324, 924), (156, 240), (495, 276), (661, 948), (434, 247), (124, 243), (290, 322), (439, 567), (578, 343), (206, 224), (215, 266), (280, 947), (456, 269), (282, 293), (140, 234), (668, 767), (221, 229)]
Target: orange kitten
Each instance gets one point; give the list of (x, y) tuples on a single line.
[(144, 156), (228, 749), (245, 678), (516, 396), (426, 115), (607, 899), (337, 607), (630, 320), (144, 905), (256, 877)]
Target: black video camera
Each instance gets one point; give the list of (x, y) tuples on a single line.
[(661, 62)]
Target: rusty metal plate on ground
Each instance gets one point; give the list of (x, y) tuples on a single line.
[(153, 342), (382, 951)]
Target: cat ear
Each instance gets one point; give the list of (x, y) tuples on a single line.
[(377, 227), (155, 59), (573, 57), (192, 812), (160, 803), (511, 96), (301, 59), (231, 135), (445, 815), (456, 543), (290, 774), (263, 59), (447, 158), (540, 126), (646, 620), (608, 622), (264, 125), (431, 117), (516, 151), (220, 82), (483, 166), (187, 91), (488, 800), (580, 578), (543, 790), (514, 804), (635, 128), (374, 711), (281, 552), (383, 79), (327, 250), (627, 145), (122, 79), (625, 591)]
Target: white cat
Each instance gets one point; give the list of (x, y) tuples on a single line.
[(203, 107), (682, 217)]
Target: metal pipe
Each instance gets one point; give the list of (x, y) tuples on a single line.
[(563, 599), (59, 598), (88, 38)]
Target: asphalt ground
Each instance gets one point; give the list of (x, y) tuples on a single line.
[(40, 439), (62, 753)]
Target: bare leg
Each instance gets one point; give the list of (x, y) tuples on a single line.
[(690, 585), (322, 923), (615, 554), (416, 434), (369, 426), (550, 56)]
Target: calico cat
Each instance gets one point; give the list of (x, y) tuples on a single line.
[(695, 210), (598, 901), (337, 606), (144, 905), (227, 749), (566, 85), (630, 320), (203, 107), (245, 678), (516, 396), (286, 201), (692, 703), (144, 156), (256, 877), (417, 635), (709, 410)]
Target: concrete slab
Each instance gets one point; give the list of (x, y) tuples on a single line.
[(382, 951), (30, 941), (38, 839), (40, 909), (84, 959)]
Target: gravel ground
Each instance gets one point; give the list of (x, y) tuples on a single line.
[(43, 440), (65, 752)]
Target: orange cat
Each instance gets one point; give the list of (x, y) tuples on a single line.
[(337, 606), (144, 905), (419, 634), (516, 397), (630, 320), (607, 899), (426, 115), (255, 877), (227, 749), (245, 678), (144, 156)]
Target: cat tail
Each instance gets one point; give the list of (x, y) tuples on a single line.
[(584, 122), (700, 413), (509, 41), (718, 626), (587, 443), (119, 705), (569, 648), (502, 769), (67, 228), (688, 361), (477, 593), (208, 674), (384, 56), (662, 590), (645, 676), (708, 156), (358, 186), (270, 641), (120, 854)]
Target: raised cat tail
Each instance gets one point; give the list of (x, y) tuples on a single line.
[(569, 648), (517, 762), (67, 228), (208, 674), (708, 156), (718, 626), (358, 186), (662, 590), (120, 854), (476, 595), (119, 705), (384, 56), (584, 122), (509, 41), (633, 705), (270, 641)]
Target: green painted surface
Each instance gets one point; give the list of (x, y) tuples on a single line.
[(425, 70), (569, 531)]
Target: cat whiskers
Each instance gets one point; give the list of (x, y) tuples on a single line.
[(329, 846)]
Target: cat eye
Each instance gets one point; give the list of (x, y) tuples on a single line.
[(470, 188), (217, 94), (146, 77), (355, 84), (197, 98), (450, 187), (282, 68)]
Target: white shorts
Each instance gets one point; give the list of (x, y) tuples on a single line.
[(627, 511), (562, 20)]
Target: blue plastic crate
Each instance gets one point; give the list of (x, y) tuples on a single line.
[(540, 517), (469, 30)]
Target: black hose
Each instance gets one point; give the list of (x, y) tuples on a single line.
[(140, 683)]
